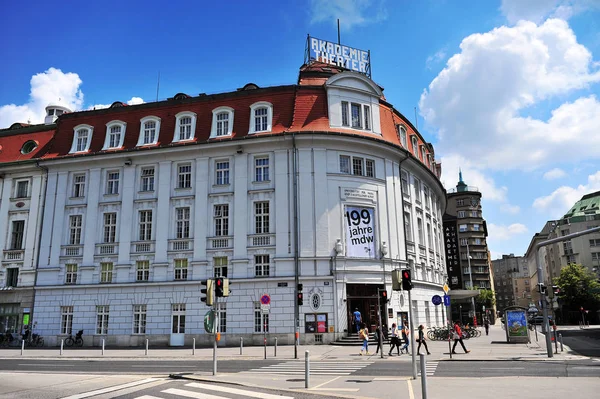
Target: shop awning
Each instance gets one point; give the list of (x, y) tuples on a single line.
[(463, 294)]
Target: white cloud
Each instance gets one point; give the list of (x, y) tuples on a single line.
[(472, 176), (510, 209), (554, 174), (538, 10), (350, 12), (50, 87), (562, 199), (434, 59), (481, 98), (501, 232), (132, 101)]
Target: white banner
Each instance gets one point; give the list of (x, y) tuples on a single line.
[(360, 233)]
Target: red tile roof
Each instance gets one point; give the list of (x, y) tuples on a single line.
[(12, 140)]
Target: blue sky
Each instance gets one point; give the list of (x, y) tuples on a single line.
[(508, 90)]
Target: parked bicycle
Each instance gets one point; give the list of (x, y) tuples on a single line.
[(8, 339), (33, 340), (77, 340)]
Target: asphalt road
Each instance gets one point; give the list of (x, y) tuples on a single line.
[(585, 341)]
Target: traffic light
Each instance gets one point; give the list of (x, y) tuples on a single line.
[(225, 287), (542, 289), (383, 296), (556, 290), (406, 280), (219, 287), (300, 299), (208, 291)]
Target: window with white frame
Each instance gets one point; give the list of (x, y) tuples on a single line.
[(12, 277), (355, 115), (595, 256), (462, 214), (435, 240), (261, 169), (405, 188), (222, 316), (147, 179), (415, 146), (463, 242), (477, 241), (102, 313), (261, 117), (460, 202), (261, 265), (145, 225), (595, 243), (66, 320), (408, 227), (345, 164), (142, 268), (82, 138), (181, 269), (261, 321), (149, 130), (429, 236), (184, 176), (139, 319), (426, 196), (417, 185), (345, 113), (369, 168), (220, 266), (22, 189), (110, 227), (75, 222), (221, 217), (462, 228), (178, 314), (420, 228), (358, 165), (182, 222), (474, 214), (115, 134), (17, 234), (222, 124), (185, 126), (112, 182), (475, 227), (261, 217), (79, 185), (402, 136), (106, 272), (222, 172), (423, 153), (71, 273)]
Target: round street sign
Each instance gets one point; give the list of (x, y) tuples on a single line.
[(436, 300), (265, 299)]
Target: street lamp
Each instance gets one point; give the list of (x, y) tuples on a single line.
[(471, 279)]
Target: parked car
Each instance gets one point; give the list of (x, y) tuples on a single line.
[(539, 320)]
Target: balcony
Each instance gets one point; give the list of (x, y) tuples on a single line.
[(14, 255), (180, 244), (72, 250), (261, 240), (142, 247), (222, 242), (107, 249)]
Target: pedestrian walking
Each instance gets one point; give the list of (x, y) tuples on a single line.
[(421, 340), (486, 324), (357, 318), (395, 341), (458, 338), (405, 332), (364, 335), (378, 337)]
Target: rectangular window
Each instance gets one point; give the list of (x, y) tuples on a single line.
[(260, 119), (415, 146), (178, 318), (261, 321), (261, 169), (70, 273), (114, 136), (106, 272), (571, 259), (474, 214), (344, 164), (149, 132), (405, 188), (462, 228), (356, 116), (220, 266), (429, 237), (357, 166), (143, 270), (222, 171), (112, 182), (185, 128), (221, 220), (22, 189), (147, 179), (12, 276), (66, 320), (462, 214), (145, 225), (82, 138), (139, 319), (423, 154), (460, 202), (407, 227), (184, 176), (222, 124), (426, 196), (595, 243), (78, 186), (17, 235), (565, 232), (475, 227), (463, 242), (102, 312), (75, 222), (417, 184), (367, 117), (345, 119), (181, 269), (261, 265), (402, 135), (261, 217), (420, 230), (182, 222), (110, 227), (477, 241), (370, 168), (222, 313), (595, 256)]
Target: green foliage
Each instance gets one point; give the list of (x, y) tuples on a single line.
[(485, 298), (578, 287)]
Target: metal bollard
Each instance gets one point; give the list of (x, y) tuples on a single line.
[(423, 376), (22, 346), (62, 343), (561, 344), (102, 346), (193, 346), (275, 346), (306, 370), (241, 345), (146, 347)]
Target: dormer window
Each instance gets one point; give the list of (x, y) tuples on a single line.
[(261, 117), (82, 138), (415, 146), (115, 134), (356, 115), (423, 154), (402, 136), (185, 126), (149, 130), (222, 124)]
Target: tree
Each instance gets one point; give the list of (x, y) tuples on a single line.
[(485, 298), (578, 288)]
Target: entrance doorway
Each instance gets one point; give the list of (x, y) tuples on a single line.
[(363, 297), (178, 325)]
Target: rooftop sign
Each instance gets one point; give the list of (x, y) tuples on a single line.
[(336, 54)]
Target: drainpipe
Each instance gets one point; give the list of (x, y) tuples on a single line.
[(36, 253), (296, 243)]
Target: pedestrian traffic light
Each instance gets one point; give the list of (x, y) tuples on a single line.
[(406, 280), (383, 297), (208, 292), (556, 290), (542, 289), (300, 299), (219, 284)]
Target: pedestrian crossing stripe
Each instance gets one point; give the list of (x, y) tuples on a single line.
[(316, 368), (218, 388), (430, 368)]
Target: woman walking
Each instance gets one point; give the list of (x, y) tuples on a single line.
[(364, 335), (421, 340), (458, 338), (395, 341)]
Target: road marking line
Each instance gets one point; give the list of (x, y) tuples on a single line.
[(337, 389), (502, 368), (147, 397), (326, 382), (110, 389), (236, 391), (152, 366), (411, 394), (46, 365), (190, 394)]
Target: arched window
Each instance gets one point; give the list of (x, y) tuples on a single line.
[(222, 124), (402, 136), (261, 117), (149, 130), (29, 146), (185, 126), (82, 138), (115, 134)]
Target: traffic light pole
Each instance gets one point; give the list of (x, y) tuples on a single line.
[(412, 336), (216, 329), (380, 326)]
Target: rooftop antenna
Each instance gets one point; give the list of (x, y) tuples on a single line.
[(157, 86), (338, 22), (416, 119)]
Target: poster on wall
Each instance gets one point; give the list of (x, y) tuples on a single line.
[(516, 323), (452, 254), (322, 323), (360, 232)]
